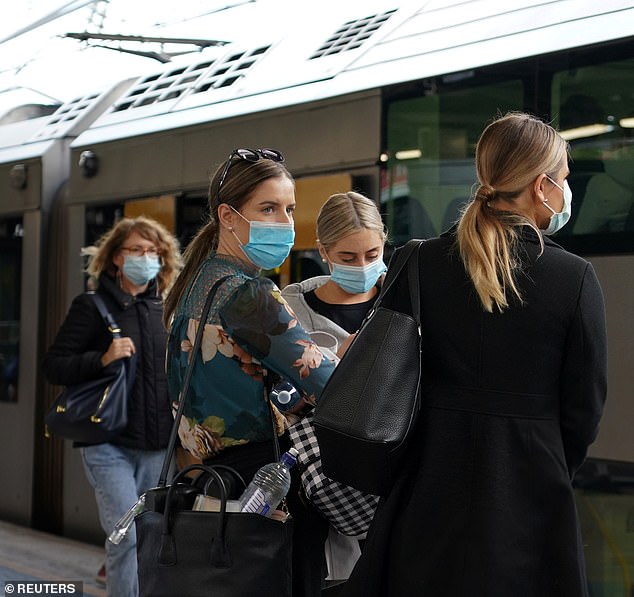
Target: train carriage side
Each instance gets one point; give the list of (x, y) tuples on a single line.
[(34, 167), (21, 231)]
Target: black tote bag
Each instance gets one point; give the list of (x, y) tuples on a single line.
[(371, 402), (187, 553), (96, 410)]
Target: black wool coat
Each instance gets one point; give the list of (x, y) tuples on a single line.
[(83, 338), (511, 401)]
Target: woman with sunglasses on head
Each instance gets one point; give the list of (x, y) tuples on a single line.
[(250, 330), (132, 266)]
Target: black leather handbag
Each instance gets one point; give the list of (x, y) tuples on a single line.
[(371, 401), (189, 553), (95, 411)]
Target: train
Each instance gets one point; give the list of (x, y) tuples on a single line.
[(387, 99)]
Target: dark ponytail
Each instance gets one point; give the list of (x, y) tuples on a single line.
[(205, 241)]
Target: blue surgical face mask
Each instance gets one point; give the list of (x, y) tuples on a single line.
[(269, 242), (559, 220), (357, 279), (140, 269)]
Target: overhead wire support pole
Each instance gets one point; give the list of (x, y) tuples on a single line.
[(202, 43)]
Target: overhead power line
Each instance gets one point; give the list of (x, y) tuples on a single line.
[(63, 10)]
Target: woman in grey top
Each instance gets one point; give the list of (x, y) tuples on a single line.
[(350, 237)]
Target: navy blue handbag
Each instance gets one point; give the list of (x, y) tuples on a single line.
[(95, 411)]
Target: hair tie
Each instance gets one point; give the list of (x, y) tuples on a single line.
[(486, 192)]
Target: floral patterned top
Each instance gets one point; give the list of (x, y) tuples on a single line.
[(250, 328)]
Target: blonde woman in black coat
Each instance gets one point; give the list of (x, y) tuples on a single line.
[(514, 374)]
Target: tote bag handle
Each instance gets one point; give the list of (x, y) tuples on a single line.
[(171, 445), (162, 482)]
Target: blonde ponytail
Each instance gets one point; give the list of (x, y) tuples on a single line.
[(486, 242), (511, 153)]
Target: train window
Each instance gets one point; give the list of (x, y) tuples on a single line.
[(100, 219), (307, 264), (431, 138), (607, 527), (431, 141), (191, 213), (593, 106), (11, 233)]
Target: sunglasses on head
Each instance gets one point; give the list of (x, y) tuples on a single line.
[(249, 155)]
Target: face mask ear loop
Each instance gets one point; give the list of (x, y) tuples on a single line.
[(239, 243), (545, 202), (330, 263), (236, 236), (234, 209), (234, 232)]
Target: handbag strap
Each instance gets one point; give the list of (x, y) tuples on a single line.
[(413, 275), (162, 482), (402, 257), (268, 388), (111, 324)]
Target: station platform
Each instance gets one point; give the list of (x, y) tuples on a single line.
[(29, 555)]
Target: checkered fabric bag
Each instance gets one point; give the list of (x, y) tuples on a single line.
[(348, 510)]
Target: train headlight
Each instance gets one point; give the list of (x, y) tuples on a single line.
[(18, 176), (88, 163)]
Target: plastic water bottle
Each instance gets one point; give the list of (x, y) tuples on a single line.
[(285, 396), (269, 486), (125, 522)]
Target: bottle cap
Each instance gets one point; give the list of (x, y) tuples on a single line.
[(290, 457), (284, 397)]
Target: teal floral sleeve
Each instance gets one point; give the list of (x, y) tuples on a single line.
[(259, 319), (250, 328)]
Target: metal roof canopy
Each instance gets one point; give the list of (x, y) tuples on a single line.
[(34, 154), (31, 138)]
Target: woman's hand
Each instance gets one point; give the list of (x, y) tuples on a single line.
[(120, 348)]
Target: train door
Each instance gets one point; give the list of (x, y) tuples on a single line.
[(20, 318), (11, 233)]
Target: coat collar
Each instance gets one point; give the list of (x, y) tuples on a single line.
[(123, 299), (526, 233)]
